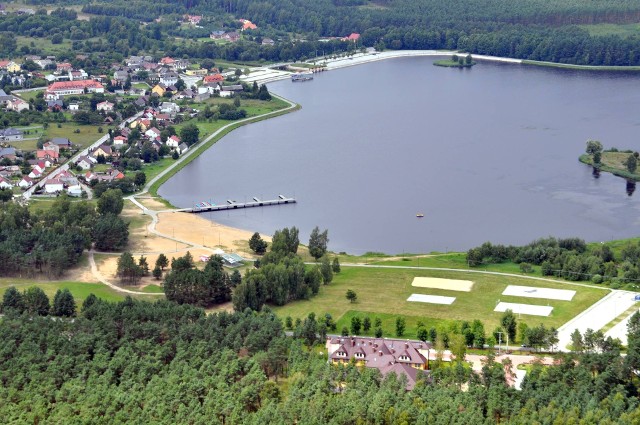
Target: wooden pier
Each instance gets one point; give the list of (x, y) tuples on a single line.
[(233, 205)]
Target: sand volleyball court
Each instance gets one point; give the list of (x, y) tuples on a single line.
[(447, 284), (431, 299), (534, 292)]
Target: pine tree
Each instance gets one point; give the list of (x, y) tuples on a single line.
[(63, 304)]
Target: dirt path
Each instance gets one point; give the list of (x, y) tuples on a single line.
[(98, 275)]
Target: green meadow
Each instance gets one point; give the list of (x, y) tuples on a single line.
[(382, 293)]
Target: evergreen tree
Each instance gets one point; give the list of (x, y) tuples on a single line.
[(257, 244), (335, 266), (12, 300), (509, 324), (157, 272), (63, 304), (36, 301), (366, 324), (400, 326), (162, 261), (325, 269)]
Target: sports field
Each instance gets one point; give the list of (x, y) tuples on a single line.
[(383, 293)]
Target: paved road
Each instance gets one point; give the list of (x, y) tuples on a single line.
[(620, 330), (597, 316)]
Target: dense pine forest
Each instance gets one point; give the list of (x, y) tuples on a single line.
[(137, 362), (535, 30)]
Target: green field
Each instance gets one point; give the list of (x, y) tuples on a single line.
[(383, 293), (88, 133), (80, 290)]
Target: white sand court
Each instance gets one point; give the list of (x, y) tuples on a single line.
[(531, 310), (448, 284), (431, 299), (534, 292)]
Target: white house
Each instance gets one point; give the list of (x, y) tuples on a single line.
[(182, 148), (104, 106), (53, 186), (75, 190), (5, 184), (169, 78), (26, 182), (119, 140), (35, 173), (152, 133), (74, 106), (173, 141), (169, 108), (17, 105), (86, 162)]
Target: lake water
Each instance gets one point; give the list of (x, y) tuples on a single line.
[(486, 154)]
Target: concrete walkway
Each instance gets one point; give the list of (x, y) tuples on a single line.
[(597, 316)]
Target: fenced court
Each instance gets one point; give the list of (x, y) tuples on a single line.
[(534, 292), (446, 284)]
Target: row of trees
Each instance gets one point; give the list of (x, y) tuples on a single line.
[(34, 301), (567, 258)]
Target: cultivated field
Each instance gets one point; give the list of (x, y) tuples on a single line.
[(383, 293)]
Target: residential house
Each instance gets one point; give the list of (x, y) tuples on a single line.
[(247, 25), (169, 108), (197, 72), (86, 162), (8, 153), (73, 107), (5, 183), (63, 88), (26, 182), (163, 118), (49, 146), (56, 105), (43, 63), (4, 97), (193, 19), (36, 173), (74, 190), (228, 91), (169, 78), (53, 186), (159, 89), (173, 141), (120, 76), (90, 175), (67, 178), (76, 75), (354, 36), (268, 42), (63, 67), (213, 79), (182, 148), (201, 97), (141, 124), (13, 67), (49, 157), (17, 104), (231, 36), (141, 101), (105, 106), (408, 358), (168, 61), (153, 133), (217, 35), (104, 150), (62, 142), (11, 134), (119, 141)]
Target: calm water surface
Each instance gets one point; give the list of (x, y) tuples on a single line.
[(488, 153)]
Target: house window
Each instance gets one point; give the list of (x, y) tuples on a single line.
[(359, 355), (405, 358)]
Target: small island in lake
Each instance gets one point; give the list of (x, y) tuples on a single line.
[(456, 62), (620, 163)]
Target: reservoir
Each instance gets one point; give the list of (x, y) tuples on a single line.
[(486, 154)]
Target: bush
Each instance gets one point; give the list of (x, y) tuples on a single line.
[(526, 268), (596, 278)]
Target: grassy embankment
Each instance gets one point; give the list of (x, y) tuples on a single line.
[(612, 162), (382, 293), (580, 67)]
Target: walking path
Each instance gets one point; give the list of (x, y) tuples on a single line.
[(98, 275)]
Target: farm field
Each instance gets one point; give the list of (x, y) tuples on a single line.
[(383, 293)]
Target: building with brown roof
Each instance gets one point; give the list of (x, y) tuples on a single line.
[(402, 357)]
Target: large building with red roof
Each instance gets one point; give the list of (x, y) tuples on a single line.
[(63, 88)]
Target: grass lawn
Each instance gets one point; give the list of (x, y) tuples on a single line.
[(28, 95), (44, 204), (88, 133), (25, 145), (80, 290), (155, 168), (44, 44), (153, 289), (383, 292)]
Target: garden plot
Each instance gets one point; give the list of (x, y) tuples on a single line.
[(447, 284), (531, 310), (431, 299), (534, 292)]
